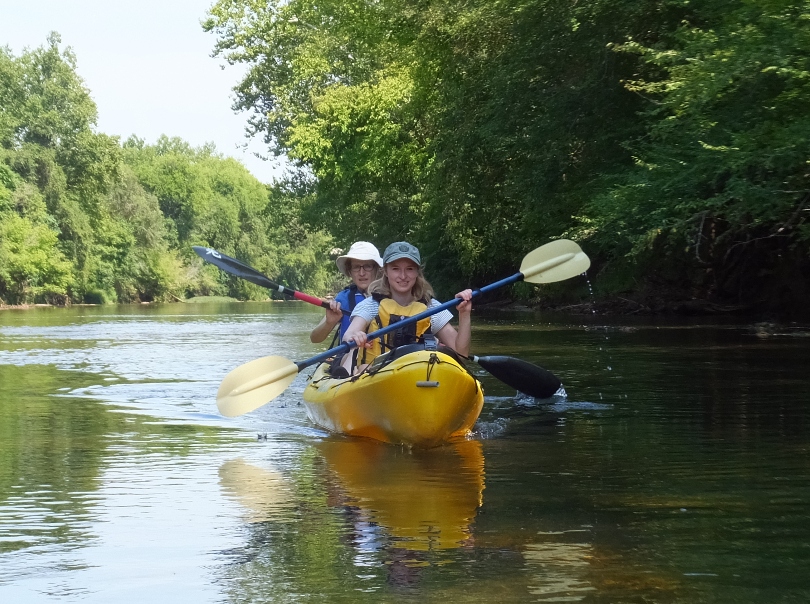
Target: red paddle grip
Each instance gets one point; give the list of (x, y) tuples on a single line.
[(307, 298)]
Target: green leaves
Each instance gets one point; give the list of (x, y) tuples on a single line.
[(44, 100), (671, 137), (31, 265), (722, 183), (330, 85), (85, 219)]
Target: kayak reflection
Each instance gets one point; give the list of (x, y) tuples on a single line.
[(416, 500)]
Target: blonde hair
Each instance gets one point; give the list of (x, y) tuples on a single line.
[(421, 290)]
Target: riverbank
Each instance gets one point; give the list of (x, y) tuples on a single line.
[(613, 306), (30, 306), (627, 306), (616, 306), (195, 300), (676, 301), (21, 306)]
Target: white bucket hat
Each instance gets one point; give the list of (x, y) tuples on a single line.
[(360, 250)]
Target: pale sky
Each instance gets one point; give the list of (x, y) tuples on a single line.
[(148, 67)]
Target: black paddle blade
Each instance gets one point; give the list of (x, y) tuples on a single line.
[(521, 375), (233, 266)]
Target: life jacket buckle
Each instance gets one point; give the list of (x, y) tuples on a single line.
[(430, 342)]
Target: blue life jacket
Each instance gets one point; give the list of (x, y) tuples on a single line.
[(348, 298)]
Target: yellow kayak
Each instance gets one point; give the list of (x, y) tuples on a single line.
[(410, 396)]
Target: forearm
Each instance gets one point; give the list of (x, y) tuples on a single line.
[(321, 330), (357, 328), (464, 334)]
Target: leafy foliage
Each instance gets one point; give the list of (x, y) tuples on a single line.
[(329, 85), (670, 136), (85, 219), (721, 182)]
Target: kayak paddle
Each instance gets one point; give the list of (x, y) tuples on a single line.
[(248, 273), (256, 383), (520, 375)]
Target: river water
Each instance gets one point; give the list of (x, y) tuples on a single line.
[(675, 469)]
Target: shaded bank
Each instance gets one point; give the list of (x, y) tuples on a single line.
[(763, 322), (668, 138)]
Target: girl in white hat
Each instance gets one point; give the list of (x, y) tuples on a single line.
[(402, 292), (361, 264)]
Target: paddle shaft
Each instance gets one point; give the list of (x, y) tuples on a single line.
[(306, 298), (234, 267), (347, 346)]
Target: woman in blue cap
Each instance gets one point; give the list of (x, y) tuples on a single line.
[(362, 265), (403, 292)]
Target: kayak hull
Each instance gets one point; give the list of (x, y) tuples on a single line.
[(421, 398)]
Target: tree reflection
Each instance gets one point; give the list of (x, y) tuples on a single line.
[(51, 456)]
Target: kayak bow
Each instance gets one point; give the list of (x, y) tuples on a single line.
[(411, 396)]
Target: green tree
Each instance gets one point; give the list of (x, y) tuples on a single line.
[(32, 268), (86, 219), (210, 200), (329, 86), (479, 130), (48, 139), (721, 188)]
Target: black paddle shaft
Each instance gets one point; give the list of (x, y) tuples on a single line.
[(248, 273)]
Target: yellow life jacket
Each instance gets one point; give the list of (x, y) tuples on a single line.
[(391, 312)]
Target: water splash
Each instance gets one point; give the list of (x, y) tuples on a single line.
[(604, 358), (590, 290)]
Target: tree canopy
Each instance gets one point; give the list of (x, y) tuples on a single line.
[(670, 137), (84, 218)]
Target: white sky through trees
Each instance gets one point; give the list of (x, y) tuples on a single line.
[(148, 67)]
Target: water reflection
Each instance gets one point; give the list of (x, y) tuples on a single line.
[(400, 505), (415, 500), (560, 568), (678, 470), (261, 492), (50, 459)]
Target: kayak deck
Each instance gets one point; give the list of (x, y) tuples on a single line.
[(412, 396)]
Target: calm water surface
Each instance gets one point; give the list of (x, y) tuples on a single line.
[(676, 469)]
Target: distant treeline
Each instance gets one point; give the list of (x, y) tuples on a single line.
[(671, 138), (84, 218)]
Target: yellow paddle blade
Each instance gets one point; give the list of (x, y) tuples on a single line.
[(254, 384), (555, 261)]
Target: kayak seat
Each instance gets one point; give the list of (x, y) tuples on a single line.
[(339, 372)]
